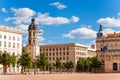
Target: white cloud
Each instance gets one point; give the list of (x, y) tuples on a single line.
[(24, 15), (109, 22), (75, 19), (4, 10), (81, 33), (58, 5), (46, 19), (23, 27), (21, 15), (109, 30), (40, 38)]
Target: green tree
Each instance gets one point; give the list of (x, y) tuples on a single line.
[(96, 62), (88, 64), (42, 61), (24, 61), (59, 64), (13, 60), (69, 65), (5, 60), (81, 65), (51, 66)]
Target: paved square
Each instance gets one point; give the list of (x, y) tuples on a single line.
[(64, 76)]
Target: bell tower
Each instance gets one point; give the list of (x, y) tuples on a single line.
[(32, 45), (33, 33)]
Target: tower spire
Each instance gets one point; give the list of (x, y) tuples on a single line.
[(100, 27), (33, 19)]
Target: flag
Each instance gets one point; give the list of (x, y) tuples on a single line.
[(105, 48)]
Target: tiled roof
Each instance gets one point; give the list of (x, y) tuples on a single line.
[(113, 35)]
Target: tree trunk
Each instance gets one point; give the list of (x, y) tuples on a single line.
[(4, 69)]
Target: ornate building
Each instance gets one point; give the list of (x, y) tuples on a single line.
[(33, 46), (108, 50)]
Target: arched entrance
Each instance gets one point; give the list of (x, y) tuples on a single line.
[(115, 66)]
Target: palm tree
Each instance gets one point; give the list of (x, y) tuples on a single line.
[(5, 60), (24, 61), (13, 60)]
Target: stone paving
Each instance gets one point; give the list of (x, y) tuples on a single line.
[(64, 76)]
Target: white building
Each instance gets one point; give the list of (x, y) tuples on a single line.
[(11, 41)]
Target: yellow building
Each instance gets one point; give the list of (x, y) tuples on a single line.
[(108, 50)]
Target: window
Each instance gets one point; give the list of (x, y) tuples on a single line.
[(13, 45), (0, 43), (0, 36), (33, 34), (18, 39), (9, 37), (53, 58), (13, 38), (63, 58), (17, 45), (4, 37), (67, 48), (60, 53), (9, 44), (57, 53), (63, 53), (53, 49), (29, 34), (4, 44), (50, 54), (29, 41), (53, 54), (60, 58), (67, 53), (33, 41), (60, 49)]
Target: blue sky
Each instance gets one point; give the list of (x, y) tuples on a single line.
[(62, 21)]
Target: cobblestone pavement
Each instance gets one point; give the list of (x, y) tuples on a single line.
[(64, 76)]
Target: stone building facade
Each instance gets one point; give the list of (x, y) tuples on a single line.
[(33, 47), (108, 50), (66, 52)]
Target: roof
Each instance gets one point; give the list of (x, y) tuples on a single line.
[(113, 35), (67, 44)]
